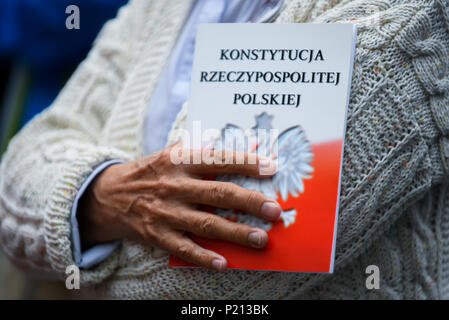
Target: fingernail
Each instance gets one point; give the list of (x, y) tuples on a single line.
[(257, 239), (266, 166), (270, 210), (218, 264)]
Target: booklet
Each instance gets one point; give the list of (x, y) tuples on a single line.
[(281, 91)]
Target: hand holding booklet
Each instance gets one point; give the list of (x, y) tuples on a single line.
[(280, 91)]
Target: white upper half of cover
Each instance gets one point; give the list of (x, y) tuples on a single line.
[(322, 108)]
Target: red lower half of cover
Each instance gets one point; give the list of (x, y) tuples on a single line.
[(306, 244)]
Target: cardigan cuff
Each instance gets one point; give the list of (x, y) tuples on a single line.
[(96, 254), (57, 223)]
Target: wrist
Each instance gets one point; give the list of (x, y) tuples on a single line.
[(96, 220)]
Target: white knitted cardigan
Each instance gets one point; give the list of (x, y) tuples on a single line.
[(394, 210)]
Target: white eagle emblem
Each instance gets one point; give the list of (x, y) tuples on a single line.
[(293, 153)]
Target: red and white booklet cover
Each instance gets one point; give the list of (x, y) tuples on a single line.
[(281, 91)]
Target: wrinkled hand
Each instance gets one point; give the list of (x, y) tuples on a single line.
[(154, 201)]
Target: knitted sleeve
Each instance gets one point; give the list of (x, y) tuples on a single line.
[(396, 140), (46, 163), (397, 137)]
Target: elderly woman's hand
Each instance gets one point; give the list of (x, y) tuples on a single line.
[(154, 201)]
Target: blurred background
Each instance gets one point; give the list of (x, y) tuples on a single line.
[(37, 55)]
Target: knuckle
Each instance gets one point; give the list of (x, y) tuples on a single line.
[(148, 205), (139, 204), (206, 224), (156, 189), (218, 191), (252, 198), (165, 154), (142, 205), (232, 189), (224, 159), (167, 186), (184, 250), (159, 160), (178, 184), (154, 214)]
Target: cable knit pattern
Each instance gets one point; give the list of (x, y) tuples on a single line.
[(394, 205)]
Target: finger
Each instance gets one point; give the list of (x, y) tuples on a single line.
[(184, 248), (215, 162), (229, 195), (215, 227)]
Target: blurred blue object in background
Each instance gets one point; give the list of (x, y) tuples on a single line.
[(37, 55), (35, 32), (42, 52)]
